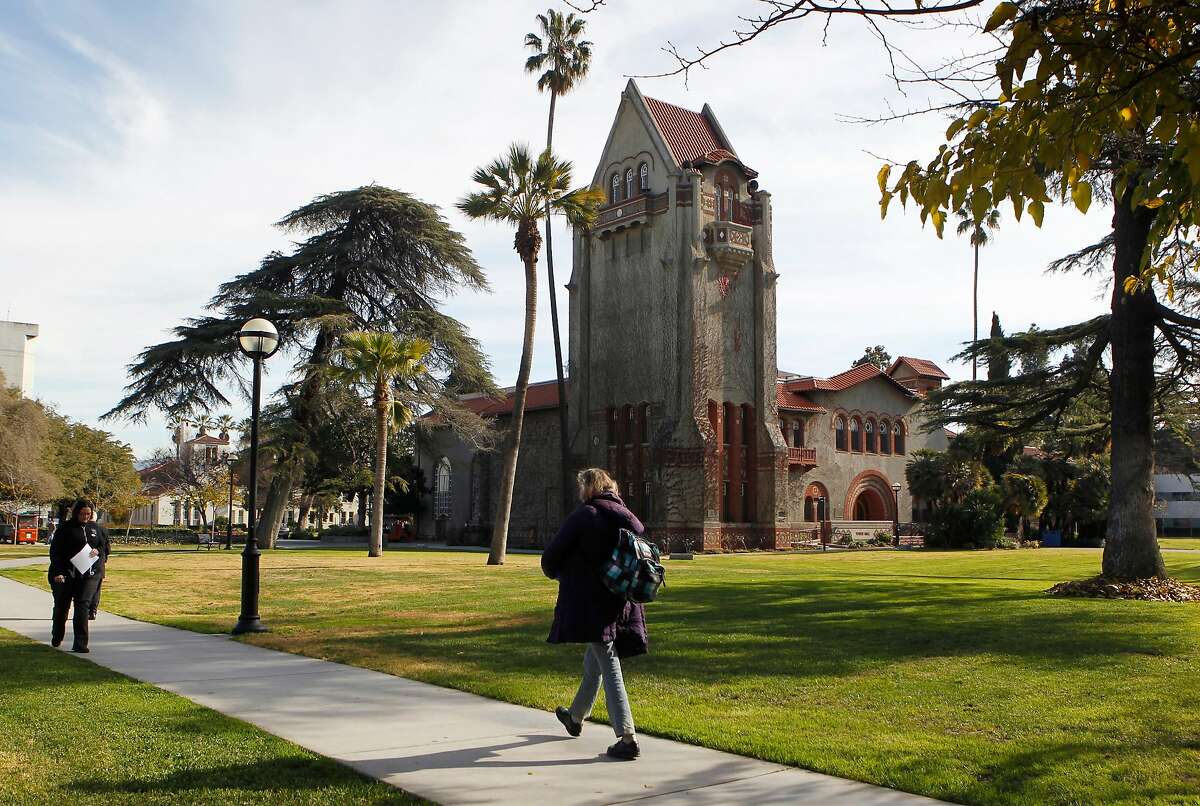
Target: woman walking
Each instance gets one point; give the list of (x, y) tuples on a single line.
[(69, 585), (588, 613)]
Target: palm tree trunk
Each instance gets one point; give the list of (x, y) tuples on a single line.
[(563, 420), (1131, 548), (381, 429), (513, 446), (975, 314), (278, 495)]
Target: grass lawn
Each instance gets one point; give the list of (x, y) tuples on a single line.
[(947, 674), (1179, 542), (10, 552), (75, 732)]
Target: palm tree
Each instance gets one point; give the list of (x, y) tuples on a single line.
[(979, 238), (202, 422), (376, 363), (521, 191), (226, 423), (562, 59)]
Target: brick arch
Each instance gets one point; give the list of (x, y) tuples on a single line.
[(870, 482), (812, 492)]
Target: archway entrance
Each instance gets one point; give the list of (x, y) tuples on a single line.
[(816, 503), (868, 506)]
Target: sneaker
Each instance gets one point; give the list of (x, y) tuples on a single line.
[(626, 751), (82, 650), (564, 716)]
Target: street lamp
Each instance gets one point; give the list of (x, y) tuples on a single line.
[(896, 512), (259, 340), (229, 463)]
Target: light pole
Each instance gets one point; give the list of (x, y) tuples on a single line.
[(896, 512), (229, 463), (258, 339)]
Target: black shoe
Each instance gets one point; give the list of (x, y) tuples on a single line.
[(626, 751), (92, 616), (564, 716), (55, 642), (82, 650)]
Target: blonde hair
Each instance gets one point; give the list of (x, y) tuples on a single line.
[(594, 481)]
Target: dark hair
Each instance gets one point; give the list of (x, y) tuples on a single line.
[(80, 504)]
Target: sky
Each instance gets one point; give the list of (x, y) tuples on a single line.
[(147, 148)]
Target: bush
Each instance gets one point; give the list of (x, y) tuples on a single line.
[(348, 531), (155, 536), (978, 522)]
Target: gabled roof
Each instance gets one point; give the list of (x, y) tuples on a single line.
[(922, 367), (541, 395), (207, 439), (689, 134), (159, 477), (794, 401), (844, 380)]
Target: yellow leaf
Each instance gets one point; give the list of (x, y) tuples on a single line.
[(939, 221), (1003, 13), (1131, 284), (1153, 204), (954, 127), (1082, 196), (883, 177), (1036, 211), (883, 205), (977, 117), (1127, 115)]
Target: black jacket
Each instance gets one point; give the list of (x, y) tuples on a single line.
[(68, 539), (586, 611)]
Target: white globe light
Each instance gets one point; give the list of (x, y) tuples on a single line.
[(258, 337)]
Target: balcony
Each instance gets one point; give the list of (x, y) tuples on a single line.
[(629, 212), (729, 243), (803, 457)]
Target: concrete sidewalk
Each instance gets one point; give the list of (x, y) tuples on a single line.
[(441, 744)]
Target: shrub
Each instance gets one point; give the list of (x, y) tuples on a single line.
[(978, 522)]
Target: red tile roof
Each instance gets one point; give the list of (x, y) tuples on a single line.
[(207, 439), (541, 395), (794, 401), (921, 366), (843, 380), (688, 134)]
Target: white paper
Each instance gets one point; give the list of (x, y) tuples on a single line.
[(83, 561)]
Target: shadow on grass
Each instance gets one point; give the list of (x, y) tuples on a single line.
[(283, 774)]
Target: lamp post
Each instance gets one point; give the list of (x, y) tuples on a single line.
[(258, 339), (229, 463), (896, 512)]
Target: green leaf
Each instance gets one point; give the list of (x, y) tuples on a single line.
[(954, 128), (1036, 211), (1082, 196), (1003, 13)]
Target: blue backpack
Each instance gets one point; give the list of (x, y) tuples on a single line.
[(634, 572)]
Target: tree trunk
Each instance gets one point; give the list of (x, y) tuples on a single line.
[(513, 446), (382, 405), (1131, 548), (279, 494), (306, 501), (362, 507), (975, 315), (563, 420)]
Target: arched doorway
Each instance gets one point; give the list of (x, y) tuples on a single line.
[(868, 506), (816, 503)]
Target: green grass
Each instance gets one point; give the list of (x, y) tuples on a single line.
[(947, 674), (74, 732), (10, 552), (1179, 542)]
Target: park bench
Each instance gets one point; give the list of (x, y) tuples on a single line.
[(209, 541)]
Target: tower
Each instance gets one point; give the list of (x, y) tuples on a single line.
[(672, 333)]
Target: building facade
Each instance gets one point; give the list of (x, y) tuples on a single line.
[(16, 355), (674, 385)]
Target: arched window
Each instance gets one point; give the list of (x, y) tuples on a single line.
[(797, 434), (872, 446), (441, 489), (728, 204), (629, 183), (856, 443), (644, 177), (839, 433), (614, 195), (898, 439), (885, 437)]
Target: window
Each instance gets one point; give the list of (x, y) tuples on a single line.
[(885, 438), (644, 424), (644, 177), (898, 436), (856, 443), (797, 434), (727, 430), (747, 424), (839, 433), (629, 183), (614, 195), (869, 426), (441, 489)]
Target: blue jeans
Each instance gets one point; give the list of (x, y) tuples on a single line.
[(600, 662)]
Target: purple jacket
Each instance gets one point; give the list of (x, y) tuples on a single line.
[(586, 611)]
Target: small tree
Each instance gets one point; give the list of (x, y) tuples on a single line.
[(876, 355), (979, 239), (1024, 497), (378, 363)]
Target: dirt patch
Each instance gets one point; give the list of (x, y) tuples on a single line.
[(1153, 589)]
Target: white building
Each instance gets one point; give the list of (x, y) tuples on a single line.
[(16, 355), (1176, 503)]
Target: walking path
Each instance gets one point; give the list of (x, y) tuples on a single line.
[(441, 744)]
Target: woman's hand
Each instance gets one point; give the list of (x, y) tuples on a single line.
[(60, 578), (95, 552)]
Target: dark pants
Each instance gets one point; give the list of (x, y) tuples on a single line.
[(79, 592), (96, 598)]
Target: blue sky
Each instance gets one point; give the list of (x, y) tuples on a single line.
[(146, 148)]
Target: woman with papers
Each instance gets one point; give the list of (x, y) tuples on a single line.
[(77, 555)]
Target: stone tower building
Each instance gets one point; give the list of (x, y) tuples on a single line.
[(672, 323), (673, 384)]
